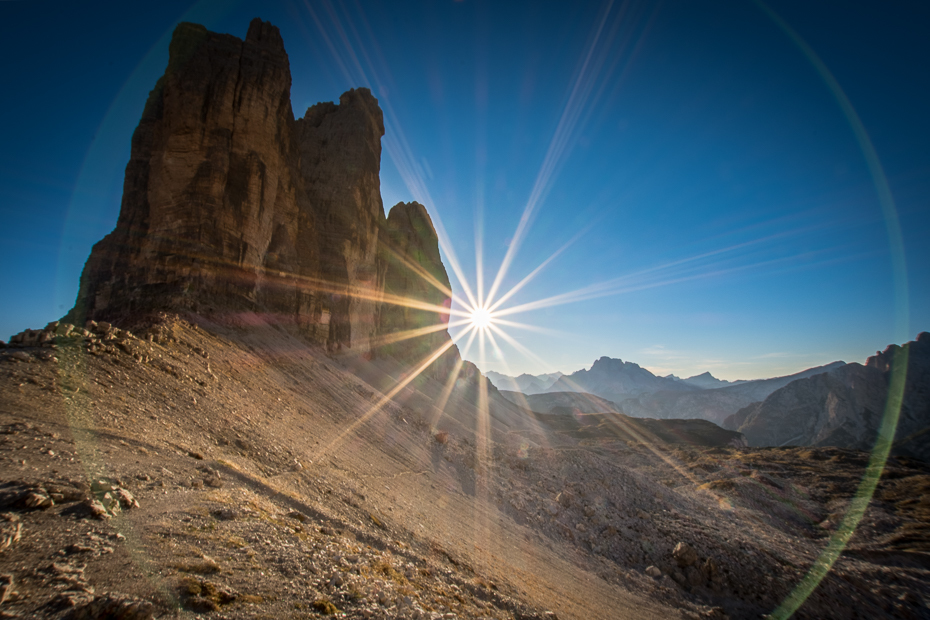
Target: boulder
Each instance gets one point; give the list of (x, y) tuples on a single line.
[(684, 555)]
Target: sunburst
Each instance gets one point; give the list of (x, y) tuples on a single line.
[(481, 318)]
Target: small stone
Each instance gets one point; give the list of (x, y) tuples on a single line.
[(76, 548), (653, 572), (37, 499), (225, 514), (6, 587), (684, 554), (96, 509)]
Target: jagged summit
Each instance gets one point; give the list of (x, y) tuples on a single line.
[(231, 204)]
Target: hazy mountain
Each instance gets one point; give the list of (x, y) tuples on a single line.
[(526, 383), (707, 381), (615, 379), (845, 407), (566, 402), (713, 404)]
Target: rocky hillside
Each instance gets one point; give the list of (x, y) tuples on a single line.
[(567, 402), (846, 406), (233, 422), (192, 468)]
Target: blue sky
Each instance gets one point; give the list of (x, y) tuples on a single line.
[(734, 186)]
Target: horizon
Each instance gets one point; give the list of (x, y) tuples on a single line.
[(736, 188), (666, 375)]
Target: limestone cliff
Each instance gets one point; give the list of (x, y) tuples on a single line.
[(415, 275), (211, 196), (340, 161), (229, 203)]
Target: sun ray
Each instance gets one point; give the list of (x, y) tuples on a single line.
[(427, 276), (440, 404), (533, 328), (401, 384), (535, 272), (379, 341), (557, 148)]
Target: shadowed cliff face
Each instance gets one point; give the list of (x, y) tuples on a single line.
[(230, 204), (211, 197), (340, 161), (414, 273)]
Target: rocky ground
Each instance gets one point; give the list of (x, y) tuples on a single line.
[(186, 468)]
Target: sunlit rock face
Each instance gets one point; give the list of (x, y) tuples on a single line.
[(230, 204), (415, 274)]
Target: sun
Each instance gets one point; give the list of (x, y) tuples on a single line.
[(481, 318)]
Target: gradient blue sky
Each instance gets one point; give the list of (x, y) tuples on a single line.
[(717, 167)]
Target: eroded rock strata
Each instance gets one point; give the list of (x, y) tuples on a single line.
[(230, 204)]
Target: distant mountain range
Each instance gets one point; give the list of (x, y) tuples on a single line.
[(637, 392), (711, 404), (705, 381), (837, 404), (528, 384)]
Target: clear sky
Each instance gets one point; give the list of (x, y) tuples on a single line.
[(734, 186)]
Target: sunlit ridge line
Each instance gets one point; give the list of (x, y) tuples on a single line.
[(401, 384), (553, 155)]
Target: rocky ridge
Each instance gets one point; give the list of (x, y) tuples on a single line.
[(615, 380), (845, 406)]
